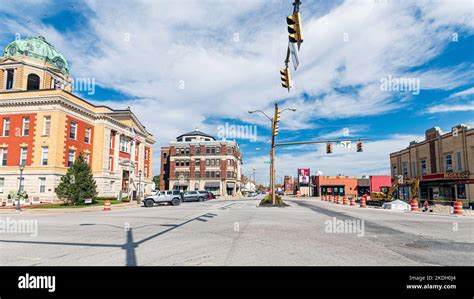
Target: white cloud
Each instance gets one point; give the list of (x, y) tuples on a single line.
[(463, 93), (451, 108)]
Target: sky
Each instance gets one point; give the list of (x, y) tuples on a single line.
[(186, 64)]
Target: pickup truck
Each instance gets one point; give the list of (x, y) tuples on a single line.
[(172, 197)]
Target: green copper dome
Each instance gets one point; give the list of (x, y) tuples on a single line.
[(37, 48)]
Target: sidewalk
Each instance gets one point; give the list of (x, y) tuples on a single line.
[(28, 209)]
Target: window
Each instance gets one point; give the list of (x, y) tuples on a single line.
[(111, 163), (228, 174), (218, 174), (213, 150), (461, 191), (176, 174), (218, 162), (87, 137), (413, 166), (187, 151), (213, 174), (187, 163), (218, 150), (23, 155), (47, 125), (228, 162), (395, 170), (26, 126), (2, 184), (33, 82), (4, 157), (197, 175), (44, 155), (147, 152), (182, 163), (423, 167), (229, 150), (459, 161), (198, 162), (182, 151), (208, 150), (177, 163), (71, 157), (405, 169), (213, 162), (124, 144), (42, 185), (6, 127), (449, 162), (198, 150), (208, 174), (10, 77), (73, 130), (208, 162)]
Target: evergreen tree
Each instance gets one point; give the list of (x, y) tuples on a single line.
[(78, 183)]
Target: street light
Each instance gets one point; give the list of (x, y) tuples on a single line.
[(22, 167), (274, 126)]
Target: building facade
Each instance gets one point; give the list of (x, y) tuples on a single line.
[(44, 127), (197, 161), (334, 185), (443, 162)]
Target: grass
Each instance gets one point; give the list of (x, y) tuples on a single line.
[(63, 206)]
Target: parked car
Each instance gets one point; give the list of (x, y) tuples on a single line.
[(193, 196), (207, 194), (252, 194), (172, 197)]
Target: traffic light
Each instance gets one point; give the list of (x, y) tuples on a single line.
[(329, 148), (294, 28), (359, 147), (285, 78)]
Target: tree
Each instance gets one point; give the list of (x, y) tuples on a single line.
[(244, 179), (157, 179), (78, 183)]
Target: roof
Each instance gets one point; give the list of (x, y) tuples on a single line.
[(39, 49), (196, 132)]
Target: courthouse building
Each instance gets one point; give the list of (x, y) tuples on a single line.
[(44, 126), (197, 161), (444, 163)]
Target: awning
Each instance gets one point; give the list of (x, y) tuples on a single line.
[(212, 184), (183, 184), (230, 185)]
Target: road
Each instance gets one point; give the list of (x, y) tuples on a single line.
[(237, 232)]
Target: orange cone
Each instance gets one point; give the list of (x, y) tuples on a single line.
[(362, 202), (344, 201), (414, 205), (458, 210), (107, 205), (323, 198), (352, 201), (330, 198)]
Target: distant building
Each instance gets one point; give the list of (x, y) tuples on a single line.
[(289, 185), (45, 127), (334, 185), (444, 162), (197, 161)]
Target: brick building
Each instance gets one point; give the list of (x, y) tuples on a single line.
[(444, 163), (334, 185), (197, 161), (44, 127)]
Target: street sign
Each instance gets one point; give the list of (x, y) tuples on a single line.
[(267, 162), (346, 144)]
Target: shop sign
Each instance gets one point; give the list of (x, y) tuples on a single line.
[(457, 175)]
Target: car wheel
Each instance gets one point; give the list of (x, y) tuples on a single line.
[(149, 203), (175, 202)]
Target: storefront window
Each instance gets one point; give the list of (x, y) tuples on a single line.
[(462, 191)]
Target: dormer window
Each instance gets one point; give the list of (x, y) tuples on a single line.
[(10, 77), (33, 82)]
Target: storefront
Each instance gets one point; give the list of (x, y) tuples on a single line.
[(446, 188), (363, 187), (214, 187)]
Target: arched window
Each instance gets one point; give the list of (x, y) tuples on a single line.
[(33, 82)]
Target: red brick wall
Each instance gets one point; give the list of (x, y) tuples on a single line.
[(15, 137), (78, 143)]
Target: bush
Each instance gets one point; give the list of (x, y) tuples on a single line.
[(267, 201), (125, 199)]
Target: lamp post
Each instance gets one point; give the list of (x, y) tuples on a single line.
[(274, 125), (22, 167), (139, 185)]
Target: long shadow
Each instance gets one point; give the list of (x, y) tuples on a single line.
[(129, 246)]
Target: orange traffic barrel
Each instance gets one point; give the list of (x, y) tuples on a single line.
[(352, 201), (323, 198), (107, 205), (458, 210), (330, 198), (414, 205), (344, 200), (362, 202)]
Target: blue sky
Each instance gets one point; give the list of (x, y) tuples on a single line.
[(182, 64)]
